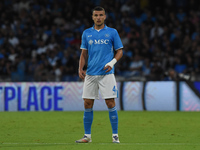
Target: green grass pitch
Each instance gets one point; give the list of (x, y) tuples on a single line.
[(143, 130)]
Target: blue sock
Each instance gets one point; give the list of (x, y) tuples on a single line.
[(87, 120), (113, 119)]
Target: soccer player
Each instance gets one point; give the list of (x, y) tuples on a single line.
[(98, 45)]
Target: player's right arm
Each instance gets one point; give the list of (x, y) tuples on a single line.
[(82, 62)]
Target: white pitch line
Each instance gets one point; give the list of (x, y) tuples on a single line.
[(178, 144)]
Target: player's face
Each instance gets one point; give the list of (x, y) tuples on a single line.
[(99, 18)]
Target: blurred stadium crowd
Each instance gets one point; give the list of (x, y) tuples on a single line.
[(40, 39)]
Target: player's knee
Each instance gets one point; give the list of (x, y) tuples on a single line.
[(110, 103), (88, 104)]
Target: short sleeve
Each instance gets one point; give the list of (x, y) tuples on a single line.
[(84, 44), (117, 41)]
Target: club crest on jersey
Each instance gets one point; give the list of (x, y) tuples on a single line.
[(107, 35)]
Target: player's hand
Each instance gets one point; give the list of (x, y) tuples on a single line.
[(110, 65), (107, 68), (82, 73)]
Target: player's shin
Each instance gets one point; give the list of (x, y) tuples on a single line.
[(113, 119), (87, 120)]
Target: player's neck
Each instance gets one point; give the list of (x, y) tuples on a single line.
[(99, 27)]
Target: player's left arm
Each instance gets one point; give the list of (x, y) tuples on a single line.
[(117, 57)]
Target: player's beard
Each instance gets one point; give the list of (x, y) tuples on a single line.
[(99, 25)]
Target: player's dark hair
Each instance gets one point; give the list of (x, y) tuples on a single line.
[(98, 8)]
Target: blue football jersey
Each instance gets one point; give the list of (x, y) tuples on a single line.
[(100, 45)]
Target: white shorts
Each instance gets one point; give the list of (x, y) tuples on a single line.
[(106, 84)]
